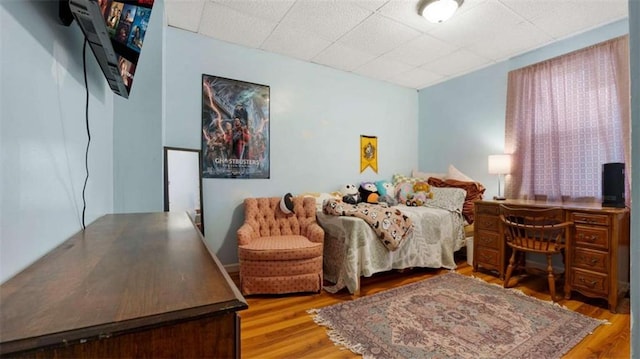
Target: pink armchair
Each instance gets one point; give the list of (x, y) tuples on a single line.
[(278, 252)]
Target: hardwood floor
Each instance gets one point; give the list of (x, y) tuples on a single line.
[(281, 327)]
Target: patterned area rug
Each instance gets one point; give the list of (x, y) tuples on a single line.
[(454, 316)]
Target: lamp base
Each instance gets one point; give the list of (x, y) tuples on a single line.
[(498, 198)]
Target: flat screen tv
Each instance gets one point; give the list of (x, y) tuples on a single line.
[(115, 30)]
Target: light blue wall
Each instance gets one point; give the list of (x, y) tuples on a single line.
[(137, 129), (461, 121), (634, 41), (43, 136), (317, 117)]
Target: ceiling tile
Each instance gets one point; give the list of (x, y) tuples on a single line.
[(382, 68), (565, 18), (458, 62), (488, 20), (378, 35), (420, 50), (372, 5), (294, 43), (184, 14), (227, 24), (330, 19), (520, 38), (342, 57), (406, 12), (263, 9), (416, 78)]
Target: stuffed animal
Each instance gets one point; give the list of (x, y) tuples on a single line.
[(286, 203), (368, 192), (421, 186), (386, 190), (350, 194), (421, 192), (416, 199)]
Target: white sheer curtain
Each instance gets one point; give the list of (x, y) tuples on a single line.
[(566, 117)]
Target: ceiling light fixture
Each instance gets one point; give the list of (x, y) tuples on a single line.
[(438, 11)]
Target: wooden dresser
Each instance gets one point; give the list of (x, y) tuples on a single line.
[(597, 261), (129, 285)]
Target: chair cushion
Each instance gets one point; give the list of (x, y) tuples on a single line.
[(288, 247)]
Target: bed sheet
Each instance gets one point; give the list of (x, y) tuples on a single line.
[(352, 249)]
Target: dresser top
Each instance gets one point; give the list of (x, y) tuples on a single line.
[(576, 206), (124, 271)]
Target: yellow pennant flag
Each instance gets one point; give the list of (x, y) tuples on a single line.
[(368, 153)]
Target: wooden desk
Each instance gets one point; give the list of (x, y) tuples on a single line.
[(597, 262), (130, 285)]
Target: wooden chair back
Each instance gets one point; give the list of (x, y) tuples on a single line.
[(535, 230)]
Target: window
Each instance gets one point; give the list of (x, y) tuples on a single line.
[(565, 118)]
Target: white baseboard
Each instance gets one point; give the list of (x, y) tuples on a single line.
[(232, 268)]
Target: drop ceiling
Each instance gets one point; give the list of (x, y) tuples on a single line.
[(387, 39)]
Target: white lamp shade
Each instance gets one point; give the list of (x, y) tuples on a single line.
[(440, 10), (499, 164)]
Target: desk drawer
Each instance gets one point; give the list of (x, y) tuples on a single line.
[(590, 218), (486, 209), (487, 257), (488, 240), (589, 236), (596, 283), (487, 223), (591, 260)]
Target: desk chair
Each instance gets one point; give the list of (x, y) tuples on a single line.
[(535, 231)]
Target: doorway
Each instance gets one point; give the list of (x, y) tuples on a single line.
[(183, 183)]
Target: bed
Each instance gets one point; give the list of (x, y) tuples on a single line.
[(353, 249)]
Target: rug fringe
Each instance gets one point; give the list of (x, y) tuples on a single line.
[(334, 336)]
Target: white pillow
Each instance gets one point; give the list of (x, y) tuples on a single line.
[(454, 173), (426, 175)]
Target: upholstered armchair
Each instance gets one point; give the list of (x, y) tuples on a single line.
[(280, 252)]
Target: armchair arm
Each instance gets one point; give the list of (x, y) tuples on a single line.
[(315, 233), (245, 234)]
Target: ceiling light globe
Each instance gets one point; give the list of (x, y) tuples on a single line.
[(440, 10)]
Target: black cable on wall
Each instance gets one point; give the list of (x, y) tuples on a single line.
[(86, 113)]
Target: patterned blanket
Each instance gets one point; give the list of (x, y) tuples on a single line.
[(391, 225)]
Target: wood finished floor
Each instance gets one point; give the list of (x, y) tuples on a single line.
[(280, 327)]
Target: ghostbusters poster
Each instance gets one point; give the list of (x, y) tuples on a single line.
[(235, 128)]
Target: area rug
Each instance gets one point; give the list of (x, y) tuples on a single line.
[(454, 316)]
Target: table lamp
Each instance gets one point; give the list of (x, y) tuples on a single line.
[(499, 165)]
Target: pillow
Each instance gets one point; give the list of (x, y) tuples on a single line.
[(454, 173), (426, 175), (398, 178), (475, 190), (451, 199)]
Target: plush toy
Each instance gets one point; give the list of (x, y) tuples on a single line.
[(416, 199), (386, 190), (421, 186), (368, 192), (350, 194), (286, 203), (421, 192)]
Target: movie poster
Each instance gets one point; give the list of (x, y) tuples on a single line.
[(139, 28), (235, 128)]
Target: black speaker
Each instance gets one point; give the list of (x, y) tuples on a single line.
[(613, 185)]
